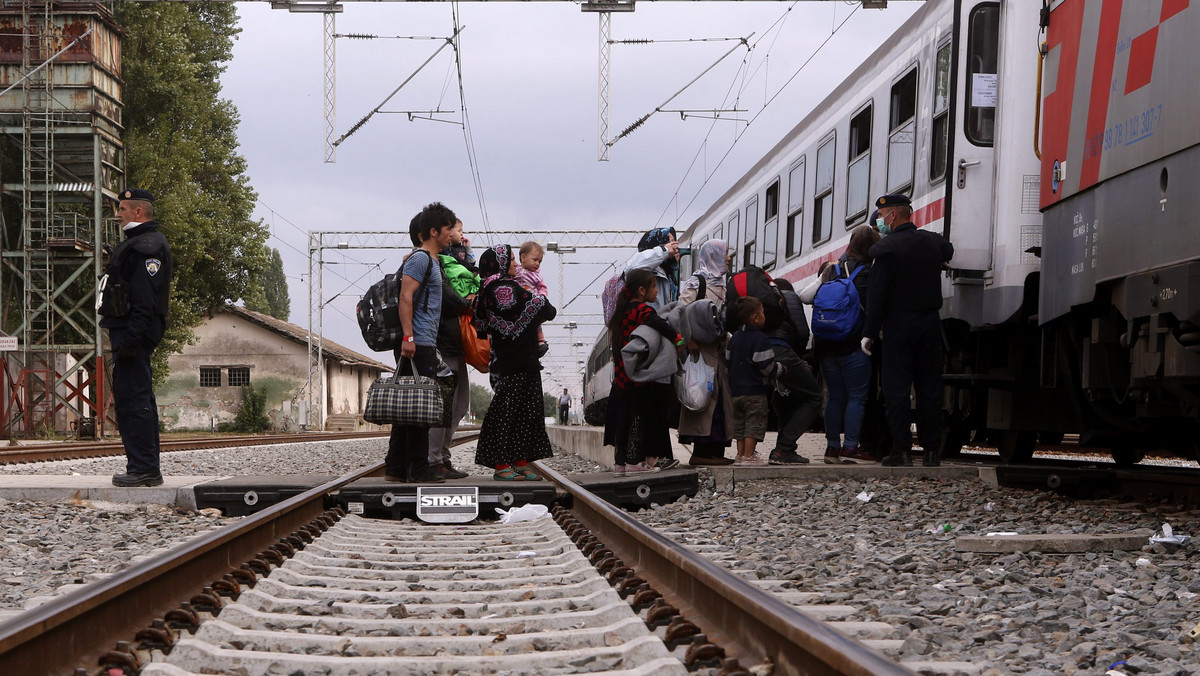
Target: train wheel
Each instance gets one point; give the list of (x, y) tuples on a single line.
[(1126, 455), (1016, 446)]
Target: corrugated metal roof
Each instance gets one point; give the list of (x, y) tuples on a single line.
[(298, 334)]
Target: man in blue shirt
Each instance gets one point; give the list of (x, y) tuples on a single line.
[(420, 310)]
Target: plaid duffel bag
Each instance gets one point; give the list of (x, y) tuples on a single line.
[(415, 400)]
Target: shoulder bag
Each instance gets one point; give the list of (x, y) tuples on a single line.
[(413, 400), (477, 352)]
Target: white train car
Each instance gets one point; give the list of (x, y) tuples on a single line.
[(947, 113)]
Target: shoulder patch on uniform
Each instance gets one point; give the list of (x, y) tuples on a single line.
[(153, 265)]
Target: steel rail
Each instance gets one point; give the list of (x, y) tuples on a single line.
[(78, 628), (748, 622), (77, 450)]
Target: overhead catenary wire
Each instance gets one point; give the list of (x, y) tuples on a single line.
[(468, 138), (742, 132), (358, 125)]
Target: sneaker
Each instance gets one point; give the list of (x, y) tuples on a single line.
[(134, 479), (752, 459), (640, 467), (787, 458), (857, 455), (668, 463), (618, 470), (831, 455)]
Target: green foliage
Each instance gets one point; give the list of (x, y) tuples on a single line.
[(252, 415), (549, 404), (181, 145), (481, 399), (269, 295)]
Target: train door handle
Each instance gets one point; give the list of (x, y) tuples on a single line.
[(962, 171)]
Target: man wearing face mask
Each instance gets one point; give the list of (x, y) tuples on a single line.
[(902, 303)]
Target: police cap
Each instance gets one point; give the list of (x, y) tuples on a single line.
[(137, 194), (893, 201)]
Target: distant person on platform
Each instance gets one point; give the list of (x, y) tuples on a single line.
[(903, 300), (132, 300), (564, 407)]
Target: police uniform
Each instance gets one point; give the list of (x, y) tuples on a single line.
[(903, 301), (134, 293)]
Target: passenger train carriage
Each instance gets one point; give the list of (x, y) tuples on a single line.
[(1021, 131)]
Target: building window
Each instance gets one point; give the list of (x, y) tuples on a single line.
[(239, 375), (983, 80), (902, 133), (858, 174), (823, 191), (795, 221), (939, 145), (210, 377)]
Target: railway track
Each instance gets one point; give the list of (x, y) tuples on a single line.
[(321, 592), (77, 450)]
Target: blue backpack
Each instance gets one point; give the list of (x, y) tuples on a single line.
[(837, 311)]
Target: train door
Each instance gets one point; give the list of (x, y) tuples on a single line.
[(976, 94)]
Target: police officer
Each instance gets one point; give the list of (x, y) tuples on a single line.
[(132, 300), (903, 301)]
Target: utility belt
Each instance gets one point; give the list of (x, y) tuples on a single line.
[(112, 297)]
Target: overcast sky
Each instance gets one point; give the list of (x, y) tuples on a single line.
[(530, 81)]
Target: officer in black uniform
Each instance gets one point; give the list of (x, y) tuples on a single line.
[(132, 300), (903, 301)]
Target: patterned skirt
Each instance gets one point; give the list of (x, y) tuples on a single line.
[(514, 427)]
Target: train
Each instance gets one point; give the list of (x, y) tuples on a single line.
[(1046, 142)]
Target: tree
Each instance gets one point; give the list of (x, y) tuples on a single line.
[(269, 295), (481, 399), (549, 404), (181, 145)]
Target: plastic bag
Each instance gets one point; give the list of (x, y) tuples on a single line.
[(522, 513), (694, 387)]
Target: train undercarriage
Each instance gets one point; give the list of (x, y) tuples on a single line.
[(1117, 372)]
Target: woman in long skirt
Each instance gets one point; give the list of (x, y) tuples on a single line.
[(514, 429)]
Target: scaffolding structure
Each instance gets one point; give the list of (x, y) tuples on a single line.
[(60, 116)]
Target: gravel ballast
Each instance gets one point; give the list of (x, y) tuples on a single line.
[(1021, 613)]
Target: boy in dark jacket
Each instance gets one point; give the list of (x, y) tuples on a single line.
[(798, 402), (752, 368)]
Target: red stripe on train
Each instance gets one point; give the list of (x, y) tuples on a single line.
[(922, 217)]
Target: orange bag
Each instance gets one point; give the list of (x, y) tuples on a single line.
[(476, 351)]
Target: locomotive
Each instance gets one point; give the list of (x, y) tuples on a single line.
[(1046, 141)]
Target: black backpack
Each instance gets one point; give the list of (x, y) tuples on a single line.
[(379, 310), (753, 281)]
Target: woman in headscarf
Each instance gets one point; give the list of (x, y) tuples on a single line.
[(514, 428), (659, 252), (708, 430)]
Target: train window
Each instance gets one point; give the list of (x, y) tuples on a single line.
[(795, 219), (941, 115), (983, 41), (902, 127), (734, 241), (858, 174), (823, 202), (770, 234), (748, 250), (719, 233)]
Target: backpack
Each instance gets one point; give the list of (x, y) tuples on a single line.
[(837, 309), (379, 311), (752, 281), (608, 298)]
